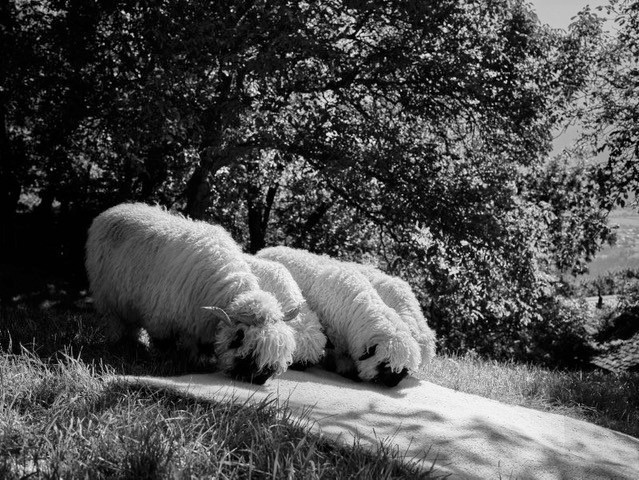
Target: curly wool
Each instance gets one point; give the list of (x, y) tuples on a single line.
[(397, 294), (276, 279), (354, 316), (269, 344), (152, 269)]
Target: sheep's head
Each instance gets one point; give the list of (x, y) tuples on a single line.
[(388, 360), (253, 342), (376, 368)]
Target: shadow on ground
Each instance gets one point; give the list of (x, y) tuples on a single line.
[(469, 436), (51, 329)]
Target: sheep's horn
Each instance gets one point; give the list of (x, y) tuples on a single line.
[(291, 314), (219, 314)]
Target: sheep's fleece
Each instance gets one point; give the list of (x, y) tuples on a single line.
[(398, 295), (370, 340), (309, 337), (187, 279)]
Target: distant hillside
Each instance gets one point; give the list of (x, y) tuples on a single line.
[(625, 253)]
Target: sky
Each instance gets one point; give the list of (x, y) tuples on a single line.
[(557, 13)]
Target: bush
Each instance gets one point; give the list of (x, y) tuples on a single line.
[(557, 335), (562, 338)]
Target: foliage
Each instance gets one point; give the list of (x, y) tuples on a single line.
[(412, 133), (610, 107), (577, 224), (563, 337), (622, 321)]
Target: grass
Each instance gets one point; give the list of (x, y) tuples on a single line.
[(60, 417), (66, 421), (64, 416), (603, 398)]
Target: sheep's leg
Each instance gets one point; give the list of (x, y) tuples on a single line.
[(346, 367), (199, 355), (117, 330), (299, 366), (164, 345), (340, 362)]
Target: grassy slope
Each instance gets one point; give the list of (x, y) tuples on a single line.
[(61, 418), (58, 417), (66, 421), (602, 398)]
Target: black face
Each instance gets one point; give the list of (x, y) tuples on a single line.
[(370, 352), (245, 369), (207, 349), (387, 377), (238, 340)]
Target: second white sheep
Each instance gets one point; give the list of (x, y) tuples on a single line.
[(370, 342), (398, 295)]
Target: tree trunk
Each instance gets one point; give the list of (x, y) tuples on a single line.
[(311, 222), (197, 193), (54, 180), (155, 170), (258, 215), (198, 187)]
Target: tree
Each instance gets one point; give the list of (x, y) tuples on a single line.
[(611, 108), (406, 131), (577, 224)]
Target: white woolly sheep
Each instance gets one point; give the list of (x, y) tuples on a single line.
[(185, 279), (369, 340), (309, 337), (398, 295)]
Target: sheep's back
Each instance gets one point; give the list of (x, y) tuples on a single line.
[(275, 278), (343, 298), (165, 264)]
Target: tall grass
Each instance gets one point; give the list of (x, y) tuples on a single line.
[(66, 420), (61, 418), (606, 399), (47, 333)]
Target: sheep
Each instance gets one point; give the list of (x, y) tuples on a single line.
[(369, 341), (398, 295), (309, 336), (185, 279)]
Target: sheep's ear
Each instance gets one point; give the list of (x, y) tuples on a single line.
[(291, 314), (219, 314), (369, 353)]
